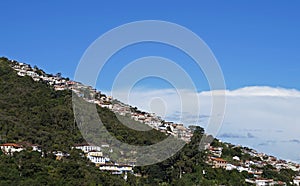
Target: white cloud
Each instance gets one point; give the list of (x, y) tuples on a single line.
[(259, 111), (259, 91)]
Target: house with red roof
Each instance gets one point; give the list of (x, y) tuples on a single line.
[(10, 148), (217, 162)]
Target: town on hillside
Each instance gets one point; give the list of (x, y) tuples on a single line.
[(92, 95), (248, 160), (251, 162)]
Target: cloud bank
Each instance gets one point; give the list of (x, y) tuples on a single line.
[(254, 116)]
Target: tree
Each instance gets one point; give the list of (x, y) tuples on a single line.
[(58, 75)]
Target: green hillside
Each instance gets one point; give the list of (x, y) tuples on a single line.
[(34, 112)]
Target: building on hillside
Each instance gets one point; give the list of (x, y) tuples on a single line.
[(261, 182), (242, 168), (230, 167), (21, 73), (59, 154), (36, 148), (105, 145), (60, 87), (97, 158), (216, 151), (116, 168), (236, 158), (106, 105), (217, 162), (296, 181), (32, 147), (31, 74), (87, 147), (10, 148)]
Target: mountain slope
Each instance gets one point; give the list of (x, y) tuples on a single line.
[(34, 112)]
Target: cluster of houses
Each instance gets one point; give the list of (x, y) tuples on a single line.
[(37, 74), (264, 182), (152, 120), (11, 148), (91, 95), (59, 83), (91, 152), (253, 166), (95, 155)]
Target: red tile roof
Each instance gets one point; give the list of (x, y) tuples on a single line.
[(12, 144), (218, 159)]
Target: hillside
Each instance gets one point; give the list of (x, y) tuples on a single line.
[(34, 112)]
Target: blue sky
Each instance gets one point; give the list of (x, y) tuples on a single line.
[(257, 44)]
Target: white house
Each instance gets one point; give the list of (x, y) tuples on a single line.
[(22, 73), (36, 148), (230, 167), (59, 154), (236, 158), (116, 168), (87, 148), (241, 169), (10, 148), (216, 151), (105, 145), (31, 73), (296, 180), (261, 182), (97, 157), (109, 106), (264, 182)]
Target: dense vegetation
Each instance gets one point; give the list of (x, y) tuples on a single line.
[(29, 168), (188, 167), (34, 112)]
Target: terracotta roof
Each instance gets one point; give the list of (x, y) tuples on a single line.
[(11, 144), (218, 159)]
